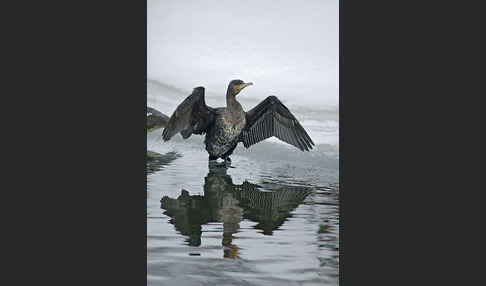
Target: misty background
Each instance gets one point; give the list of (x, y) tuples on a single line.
[(287, 48)]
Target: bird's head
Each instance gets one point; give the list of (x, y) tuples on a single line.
[(236, 85)]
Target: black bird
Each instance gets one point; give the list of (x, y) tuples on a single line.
[(226, 126), (155, 119)]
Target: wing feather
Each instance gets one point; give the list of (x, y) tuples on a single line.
[(272, 118), (192, 116)]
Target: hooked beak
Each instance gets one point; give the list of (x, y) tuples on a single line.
[(239, 87), (246, 84)]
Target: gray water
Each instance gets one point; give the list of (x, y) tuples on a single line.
[(272, 219)]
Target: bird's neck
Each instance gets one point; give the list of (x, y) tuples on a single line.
[(231, 100)]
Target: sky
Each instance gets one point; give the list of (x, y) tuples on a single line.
[(286, 48)]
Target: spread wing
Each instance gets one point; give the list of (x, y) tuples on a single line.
[(272, 118), (155, 119), (192, 116)]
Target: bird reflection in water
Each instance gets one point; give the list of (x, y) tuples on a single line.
[(229, 204)]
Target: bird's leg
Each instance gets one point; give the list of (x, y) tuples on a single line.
[(212, 161), (226, 157), (227, 161)]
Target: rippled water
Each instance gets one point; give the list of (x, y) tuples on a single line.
[(272, 219)]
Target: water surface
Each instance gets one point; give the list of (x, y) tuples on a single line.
[(273, 219)]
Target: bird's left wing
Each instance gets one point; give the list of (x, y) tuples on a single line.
[(192, 116), (272, 118)]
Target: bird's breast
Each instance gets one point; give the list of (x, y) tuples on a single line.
[(225, 134), (230, 129)]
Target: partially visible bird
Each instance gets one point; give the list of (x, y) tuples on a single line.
[(226, 126), (155, 119)]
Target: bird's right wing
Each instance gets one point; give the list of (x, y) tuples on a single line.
[(192, 116)]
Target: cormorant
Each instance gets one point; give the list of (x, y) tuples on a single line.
[(226, 126), (155, 119)]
